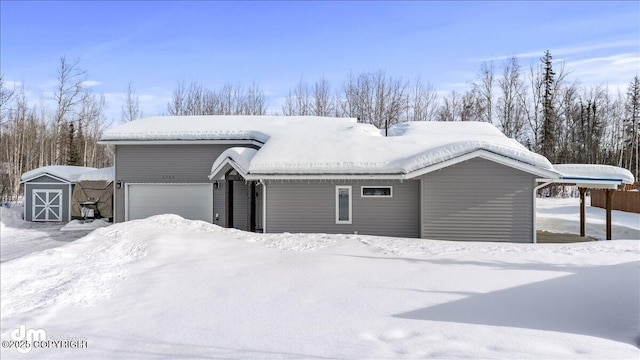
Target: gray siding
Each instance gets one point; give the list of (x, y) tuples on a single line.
[(46, 179), (311, 207), (219, 203), (188, 163), (478, 200), (28, 200), (240, 205)]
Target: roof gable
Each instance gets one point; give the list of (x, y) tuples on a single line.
[(64, 173)]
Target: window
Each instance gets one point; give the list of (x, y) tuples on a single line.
[(376, 191), (343, 205)]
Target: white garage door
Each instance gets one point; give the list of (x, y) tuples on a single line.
[(191, 201)]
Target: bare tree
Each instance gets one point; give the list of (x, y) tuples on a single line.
[(422, 102), (483, 92), (375, 98), (68, 94), (323, 102), (451, 107), (131, 107), (511, 111)]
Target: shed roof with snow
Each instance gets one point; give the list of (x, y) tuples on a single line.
[(64, 173)]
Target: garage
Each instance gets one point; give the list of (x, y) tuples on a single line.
[(191, 201)]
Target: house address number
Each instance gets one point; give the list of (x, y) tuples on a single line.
[(168, 177)]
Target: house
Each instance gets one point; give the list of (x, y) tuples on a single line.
[(437, 180), (47, 192)]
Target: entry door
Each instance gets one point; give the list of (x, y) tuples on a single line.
[(47, 205)]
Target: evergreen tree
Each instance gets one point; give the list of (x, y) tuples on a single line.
[(631, 125), (548, 140), (72, 152)]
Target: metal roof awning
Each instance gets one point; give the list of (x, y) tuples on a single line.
[(591, 176)]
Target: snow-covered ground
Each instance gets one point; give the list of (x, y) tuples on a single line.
[(166, 287)]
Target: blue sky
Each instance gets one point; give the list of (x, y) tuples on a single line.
[(154, 45)]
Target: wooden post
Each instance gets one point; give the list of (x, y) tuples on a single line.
[(608, 192), (583, 231)]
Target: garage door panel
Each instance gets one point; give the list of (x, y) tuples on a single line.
[(191, 201)]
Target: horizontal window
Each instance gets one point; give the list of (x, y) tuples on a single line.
[(376, 191)]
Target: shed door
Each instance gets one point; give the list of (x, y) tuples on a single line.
[(46, 205), (191, 201)]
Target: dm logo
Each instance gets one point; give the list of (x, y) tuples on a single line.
[(25, 337)]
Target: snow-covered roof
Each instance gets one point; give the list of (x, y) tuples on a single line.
[(104, 174), (595, 172), (64, 172), (238, 158), (323, 145)]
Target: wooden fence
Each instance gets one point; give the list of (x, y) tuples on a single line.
[(620, 200)]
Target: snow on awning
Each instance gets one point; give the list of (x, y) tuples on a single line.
[(237, 158), (594, 176), (66, 173)]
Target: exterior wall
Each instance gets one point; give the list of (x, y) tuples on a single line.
[(188, 163), (28, 200), (240, 205), (311, 207), (219, 204), (46, 179), (478, 200)]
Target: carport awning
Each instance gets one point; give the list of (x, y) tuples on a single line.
[(594, 176)]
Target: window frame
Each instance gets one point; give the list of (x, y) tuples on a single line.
[(376, 196), (349, 188)]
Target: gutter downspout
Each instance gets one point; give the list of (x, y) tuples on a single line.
[(264, 205), (535, 192)]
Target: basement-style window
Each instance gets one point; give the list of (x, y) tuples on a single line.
[(376, 191), (343, 205)]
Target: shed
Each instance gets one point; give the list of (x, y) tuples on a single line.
[(95, 186), (47, 192)]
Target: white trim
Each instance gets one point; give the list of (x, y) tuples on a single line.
[(590, 183), (126, 202), (70, 198), (42, 183), (230, 162), (421, 210), (182, 142), (376, 187), (264, 207), (325, 177), (65, 181), (545, 182), (126, 196), (487, 156), (531, 169), (338, 188), (115, 185)]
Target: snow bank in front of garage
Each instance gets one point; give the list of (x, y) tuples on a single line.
[(169, 287)]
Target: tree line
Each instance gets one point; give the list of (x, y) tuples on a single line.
[(538, 106)]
